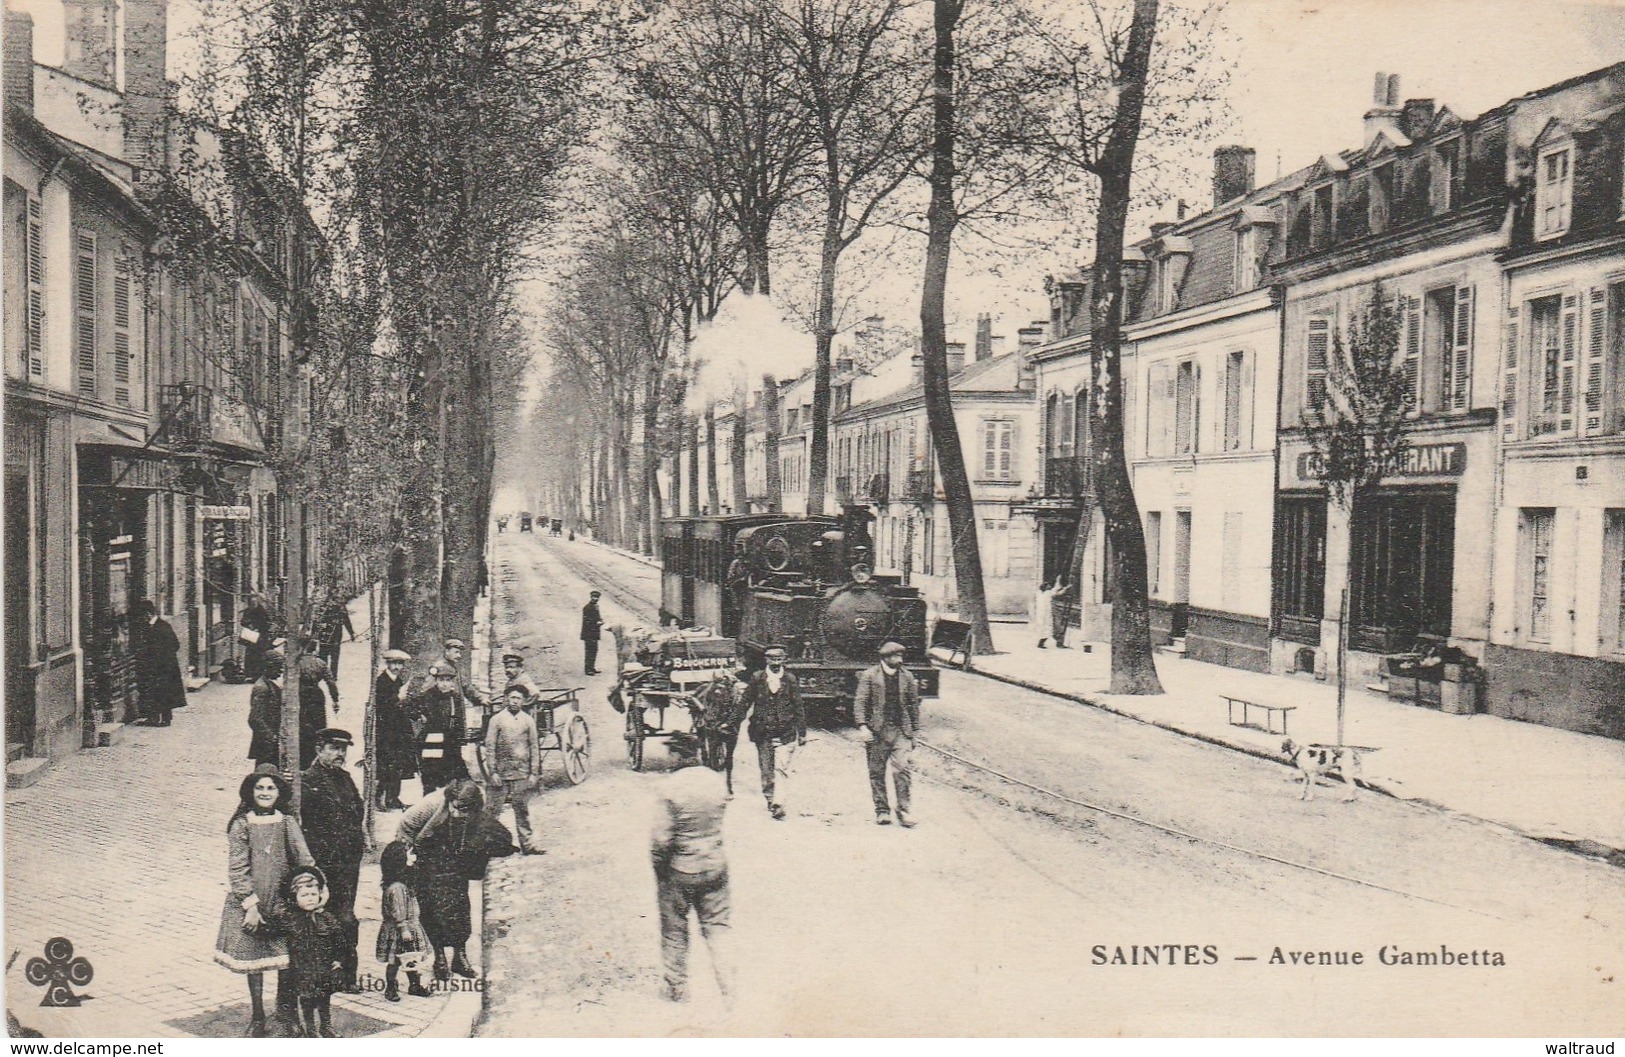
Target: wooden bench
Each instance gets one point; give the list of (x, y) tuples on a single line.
[(1244, 707), (951, 643)]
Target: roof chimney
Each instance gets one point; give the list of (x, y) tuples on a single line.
[(917, 362), (1029, 338), (956, 357), (89, 48), (984, 337), (1233, 168), (1418, 118), (19, 59), (146, 90), (1385, 113)]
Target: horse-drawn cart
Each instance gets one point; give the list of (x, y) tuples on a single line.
[(680, 689), (566, 735)]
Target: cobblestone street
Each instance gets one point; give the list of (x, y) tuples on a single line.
[(122, 851)]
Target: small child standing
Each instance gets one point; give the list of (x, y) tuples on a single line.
[(401, 938), (315, 943)]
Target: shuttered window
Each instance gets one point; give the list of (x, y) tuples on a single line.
[(1238, 401), (1459, 364), (84, 306), (1410, 322), (1612, 617), (1159, 401), (1317, 350), (36, 290), (1546, 360), (998, 450), (1509, 375), (1603, 367), (123, 350), (1187, 409)]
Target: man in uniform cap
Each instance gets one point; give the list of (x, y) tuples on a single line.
[(513, 668), (592, 622), (331, 817), (440, 742), (886, 709), (777, 718)]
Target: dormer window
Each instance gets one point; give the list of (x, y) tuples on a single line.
[(1382, 196), (1321, 233), (1445, 188), (1165, 284), (1554, 190), (1246, 259)]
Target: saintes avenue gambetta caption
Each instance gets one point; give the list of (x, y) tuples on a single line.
[(1208, 954)]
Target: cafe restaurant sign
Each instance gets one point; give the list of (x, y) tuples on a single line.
[(225, 513), (1418, 460)]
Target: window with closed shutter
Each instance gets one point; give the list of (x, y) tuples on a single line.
[(1233, 400), (1510, 351), (1159, 409), (123, 350), (1410, 321), (1317, 349), (1187, 377), (84, 304), (36, 290), (1537, 526), (1611, 627), (1459, 366)]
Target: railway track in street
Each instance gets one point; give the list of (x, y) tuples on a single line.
[(628, 596)]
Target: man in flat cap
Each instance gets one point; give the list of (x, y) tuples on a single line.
[(330, 815), (592, 623), (777, 718), (394, 750), (456, 650), (887, 712), (513, 760), (440, 741)]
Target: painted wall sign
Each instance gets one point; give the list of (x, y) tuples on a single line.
[(1419, 460), (226, 513)]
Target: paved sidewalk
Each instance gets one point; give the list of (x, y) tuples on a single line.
[(1540, 781), (123, 851)]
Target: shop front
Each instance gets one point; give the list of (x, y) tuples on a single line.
[(115, 490)]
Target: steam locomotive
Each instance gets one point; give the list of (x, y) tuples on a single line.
[(806, 583)]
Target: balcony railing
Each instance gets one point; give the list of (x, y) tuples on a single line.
[(1066, 476), (185, 413)]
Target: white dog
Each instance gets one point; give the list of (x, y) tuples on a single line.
[(1313, 761)]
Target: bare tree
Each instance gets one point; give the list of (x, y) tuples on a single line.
[(1101, 74), (856, 76)]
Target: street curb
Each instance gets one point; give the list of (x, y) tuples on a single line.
[(650, 562), (1364, 783)]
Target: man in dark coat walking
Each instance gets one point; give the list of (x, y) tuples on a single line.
[(592, 622), (265, 712), (330, 815), (777, 718), (394, 745), (330, 632), (257, 622), (157, 666)]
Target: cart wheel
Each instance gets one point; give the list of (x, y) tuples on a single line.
[(575, 746), (634, 738)]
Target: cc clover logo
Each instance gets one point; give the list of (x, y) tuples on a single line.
[(59, 972)]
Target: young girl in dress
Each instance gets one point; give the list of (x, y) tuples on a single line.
[(401, 939), (264, 845)]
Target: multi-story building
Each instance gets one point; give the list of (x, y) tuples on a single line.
[(144, 384), (881, 455), (1556, 651), (1416, 216)]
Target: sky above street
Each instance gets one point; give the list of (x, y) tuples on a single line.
[(1302, 83)]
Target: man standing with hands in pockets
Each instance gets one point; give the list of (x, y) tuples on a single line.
[(777, 718), (511, 754), (887, 712)]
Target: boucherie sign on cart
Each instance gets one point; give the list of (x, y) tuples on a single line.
[(1418, 460)]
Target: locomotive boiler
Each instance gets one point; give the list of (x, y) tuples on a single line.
[(806, 583)]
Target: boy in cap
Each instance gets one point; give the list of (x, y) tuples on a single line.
[(440, 742), (773, 702), (886, 709), (513, 759), (315, 939), (513, 669)]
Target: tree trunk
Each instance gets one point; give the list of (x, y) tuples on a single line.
[(941, 219), (824, 337), (1134, 669), (770, 444), (651, 462), (713, 498)]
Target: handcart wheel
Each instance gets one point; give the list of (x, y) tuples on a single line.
[(575, 749), (634, 737)]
